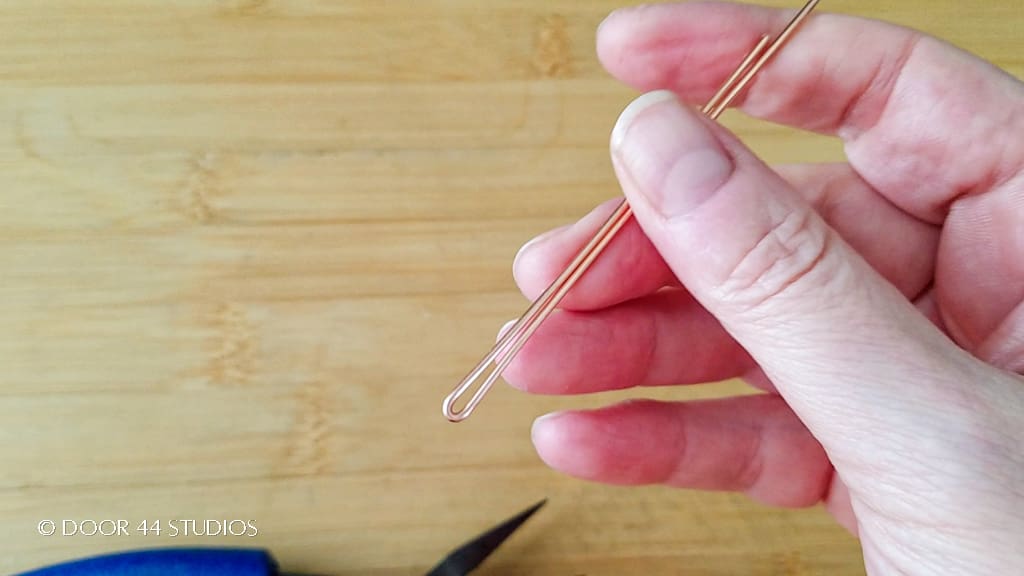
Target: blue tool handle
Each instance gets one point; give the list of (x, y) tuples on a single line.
[(169, 562)]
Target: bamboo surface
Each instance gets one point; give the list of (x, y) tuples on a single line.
[(247, 247)]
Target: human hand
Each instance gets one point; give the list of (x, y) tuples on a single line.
[(880, 303)]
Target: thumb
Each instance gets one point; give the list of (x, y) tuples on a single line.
[(866, 372)]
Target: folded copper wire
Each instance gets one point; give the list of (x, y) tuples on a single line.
[(516, 337)]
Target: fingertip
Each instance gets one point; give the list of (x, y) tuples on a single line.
[(527, 249), (608, 37), (557, 440), (603, 25), (528, 265), (546, 438), (615, 45), (544, 429), (541, 260), (633, 43), (603, 445)]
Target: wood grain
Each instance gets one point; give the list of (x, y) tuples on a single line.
[(247, 246)]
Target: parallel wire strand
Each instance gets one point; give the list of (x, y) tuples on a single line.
[(516, 337)]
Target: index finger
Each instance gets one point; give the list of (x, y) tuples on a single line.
[(910, 108)]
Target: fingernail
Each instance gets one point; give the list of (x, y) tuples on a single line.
[(526, 247), (505, 328), (542, 422), (604, 23), (669, 154)]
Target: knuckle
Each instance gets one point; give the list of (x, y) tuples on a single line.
[(789, 254)]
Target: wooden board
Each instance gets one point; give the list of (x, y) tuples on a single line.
[(248, 246)]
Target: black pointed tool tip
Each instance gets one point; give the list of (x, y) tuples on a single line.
[(467, 558), (512, 524), (533, 509)]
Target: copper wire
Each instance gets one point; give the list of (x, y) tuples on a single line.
[(516, 337)]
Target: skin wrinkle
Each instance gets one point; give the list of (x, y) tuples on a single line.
[(885, 563), (853, 120), (975, 514), (680, 450), (832, 203), (683, 55), (894, 526), (677, 430), (874, 93), (998, 420), (643, 354), (918, 156), (769, 21), (1004, 169), (611, 336), (1009, 215), (752, 465), (986, 510), (562, 357), (960, 318), (654, 332), (834, 502), (784, 330), (906, 487), (788, 265), (842, 195), (1004, 346), (830, 199), (736, 359), (918, 417), (573, 332), (645, 41), (875, 563), (928, 307), (637, 248), (982, 223)]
